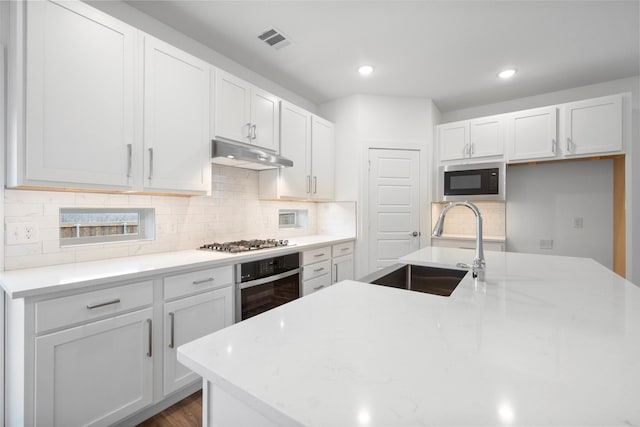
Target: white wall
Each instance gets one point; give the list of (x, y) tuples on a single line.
[(364, 122), (3, 38), (544, 199), (140, 20), (632, 162)]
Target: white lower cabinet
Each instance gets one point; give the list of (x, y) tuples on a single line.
[(186, 320), (342, 262), (95, 374), (316, 269)]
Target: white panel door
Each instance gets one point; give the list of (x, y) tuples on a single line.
[(265, 120), (394, 205), (232, 108), (532, 134), (96, 374), (323, 159), (295, 144), (79, 96), (176, 119), (593, 126), (486, 137), (188, 319)]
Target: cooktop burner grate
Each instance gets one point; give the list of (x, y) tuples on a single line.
[(244, 245)]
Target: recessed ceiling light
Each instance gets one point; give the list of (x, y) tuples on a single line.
[(508, 73), (365, 70)]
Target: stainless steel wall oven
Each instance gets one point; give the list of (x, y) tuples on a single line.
[(267, 283)]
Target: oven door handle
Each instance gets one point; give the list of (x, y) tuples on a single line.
[(273, 278)]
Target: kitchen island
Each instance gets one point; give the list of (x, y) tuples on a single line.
[(545, 340)]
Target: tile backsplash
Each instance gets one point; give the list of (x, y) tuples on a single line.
[(232, 212), (461, 221)]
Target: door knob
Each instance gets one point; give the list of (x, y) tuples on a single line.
[(416, 234)]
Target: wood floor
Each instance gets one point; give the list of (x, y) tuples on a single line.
[(186, 413)]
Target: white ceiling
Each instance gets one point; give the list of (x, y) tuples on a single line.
[(449, 51)]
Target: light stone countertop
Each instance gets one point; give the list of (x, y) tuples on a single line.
[(32, 282), (547, 340)]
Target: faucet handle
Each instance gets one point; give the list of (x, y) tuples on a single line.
[(463, 265)]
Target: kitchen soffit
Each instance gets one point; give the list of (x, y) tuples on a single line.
[(449, 51)]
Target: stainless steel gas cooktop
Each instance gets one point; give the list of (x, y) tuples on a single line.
[(244, 245)]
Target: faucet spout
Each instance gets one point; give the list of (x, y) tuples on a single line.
[(479, 264)]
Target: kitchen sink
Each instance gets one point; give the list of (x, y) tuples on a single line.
[(430, 280)]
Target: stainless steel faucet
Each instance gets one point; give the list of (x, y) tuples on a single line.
[(477, 268)]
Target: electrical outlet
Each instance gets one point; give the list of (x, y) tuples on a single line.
[(546, 243), (577, 222), (20, 233)]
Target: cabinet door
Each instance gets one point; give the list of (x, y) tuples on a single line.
[(342, 269), (323, 159), (486, 137), (265, 120), (295, 142), (176, 119), (94, 374), (186, 320), (532, 134), (79, 97), (593, 126), (314, 285), (232, 108), (453, 141)]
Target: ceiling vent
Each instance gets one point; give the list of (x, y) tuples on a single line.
[(274, 38)]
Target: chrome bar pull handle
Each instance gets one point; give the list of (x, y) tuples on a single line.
[(553, 146), (317, 288), (249, 131), (172, 318), (253, 131), (150, 324), (336, 270), (319, 255), (308, 183), (200, 282), (129, 156), (470, 149), (317, 270), (150, 163), (568, 145), (315, 184), (102, 304)]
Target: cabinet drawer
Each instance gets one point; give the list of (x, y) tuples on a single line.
[(342, 249), (316, 255), (59, 312), (197, 281), (316, 284), (316, 270)]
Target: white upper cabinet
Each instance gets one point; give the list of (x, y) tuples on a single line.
[(486, 137), (322, 159), (471, 139), (295, 143), (532, 134), (453, 140), (593, 126), (265, 119), (309, 142), (245, 113), (176, 119), (100, 111), (79, 99)]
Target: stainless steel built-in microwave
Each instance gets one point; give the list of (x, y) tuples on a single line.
[(481, 181)]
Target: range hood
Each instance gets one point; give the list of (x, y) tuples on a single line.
[(229, 154)]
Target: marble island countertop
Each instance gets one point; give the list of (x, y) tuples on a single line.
[(83, 275), (545, 340)]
